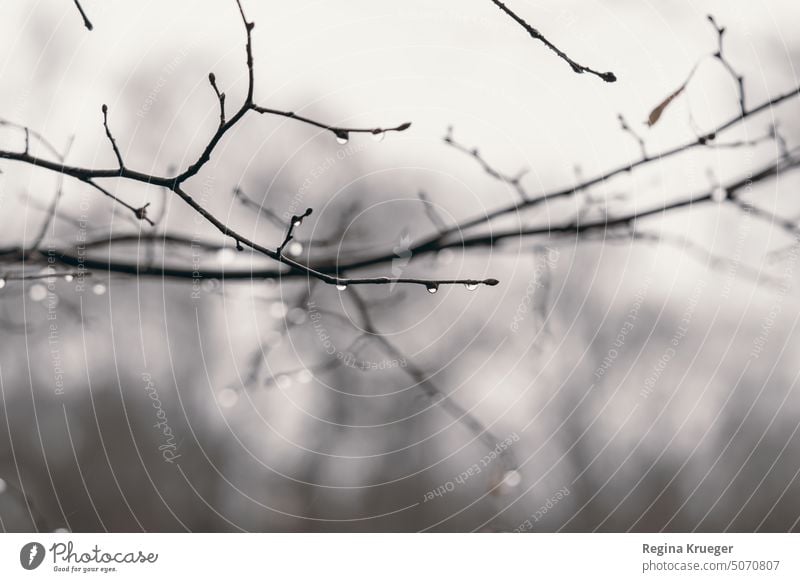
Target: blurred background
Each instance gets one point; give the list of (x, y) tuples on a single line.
[(642, 386)]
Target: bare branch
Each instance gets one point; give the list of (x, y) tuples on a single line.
[(513, 181), (706, 140), (627, 129), (608, 77), (86, 21), (140, 213), (31, 133), (111, 138), (175, 184), (656, 113), (720, 56), (220, 97), (295, 221), (341, 133)]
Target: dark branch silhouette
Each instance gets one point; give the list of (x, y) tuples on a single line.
[(294, 222), (86, 22), (608, 77), (176, 183)]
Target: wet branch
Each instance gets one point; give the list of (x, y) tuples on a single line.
[(176, 183), (608, 77)]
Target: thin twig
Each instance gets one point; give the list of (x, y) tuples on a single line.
[(342, 133), (514, 181), (111, 137), (220, 97), (175, 184), (86, 21), (608, 77), (295, 221), (627, 129), (720, 56)]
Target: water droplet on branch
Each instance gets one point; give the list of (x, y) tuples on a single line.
[(471, 286), (342, 137), (341, 286), (432, 287)]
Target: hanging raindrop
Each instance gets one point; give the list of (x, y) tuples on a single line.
[(2, 283), (342, 137), (99, 289), (471, 286), (68, 278), (341, 286), (432, 287)]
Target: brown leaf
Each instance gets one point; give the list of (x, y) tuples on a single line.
[(655, 114)]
